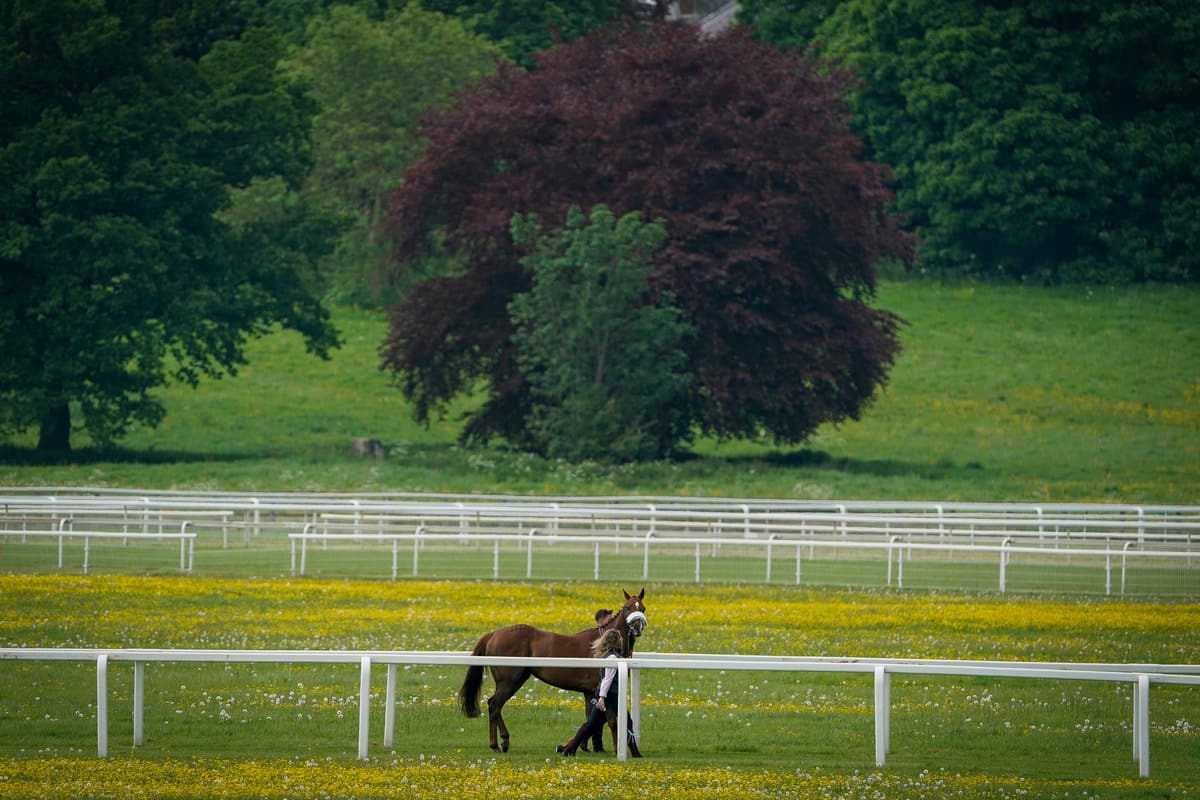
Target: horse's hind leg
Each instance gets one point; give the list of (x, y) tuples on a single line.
[(506, 686), (493, 715)]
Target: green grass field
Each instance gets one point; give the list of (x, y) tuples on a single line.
[(291, 730), (1001, 394)]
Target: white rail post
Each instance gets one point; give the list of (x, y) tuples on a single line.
[(417, 546), (899, 562), (102, 705), (1004, 564), (1124, 556), (389, 713), (183, 546), (596, 560), (622, 709), (529, 555), (770, 540), (364, 706), (883, 711), (139, 703), (635, 703), (1141, 724), (62, 524), (1137, 715), (646, 556), (1107, 567)]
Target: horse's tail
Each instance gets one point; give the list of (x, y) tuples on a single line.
[(468, 695)]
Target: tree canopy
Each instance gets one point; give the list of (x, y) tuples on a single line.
[(606, 371), (1046, 139), (523, 28), (371, 80), (775, 222), (126, 131)]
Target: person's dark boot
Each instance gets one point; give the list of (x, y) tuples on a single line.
[(597, 742), (633, 748)]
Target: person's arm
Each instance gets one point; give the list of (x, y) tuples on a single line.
[(610, 675)]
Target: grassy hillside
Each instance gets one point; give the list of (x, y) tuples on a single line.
[(1001, 393)]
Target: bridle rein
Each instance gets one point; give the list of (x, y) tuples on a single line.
[(635, 622)]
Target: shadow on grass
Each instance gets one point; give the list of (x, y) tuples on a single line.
[(878, 467), (32, 457), (430, 455)]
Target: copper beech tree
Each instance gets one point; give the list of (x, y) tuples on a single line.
[(775, 222)]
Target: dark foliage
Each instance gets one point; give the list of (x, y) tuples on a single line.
[(524, 27), (774, 218), (1052, 140), (125, 125)]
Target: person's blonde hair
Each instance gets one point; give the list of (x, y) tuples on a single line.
[(610, 642)]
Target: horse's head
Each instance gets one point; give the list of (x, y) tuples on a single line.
[(632, 617)]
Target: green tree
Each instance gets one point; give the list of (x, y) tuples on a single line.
[(776, 224), (1053, 140), (524, 27), (790, 24), (372, 81), (603, 359), (126, 131)]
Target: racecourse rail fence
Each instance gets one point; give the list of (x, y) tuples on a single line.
[(1140, 676), (1106, 549)]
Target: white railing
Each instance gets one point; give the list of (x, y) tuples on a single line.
[(685, 516), (1117, 534), (893, 550), (66, 533), (1140, 676)]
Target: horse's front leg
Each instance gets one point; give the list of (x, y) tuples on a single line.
[(634, 752)]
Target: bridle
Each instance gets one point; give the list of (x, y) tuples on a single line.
[(635, 621)]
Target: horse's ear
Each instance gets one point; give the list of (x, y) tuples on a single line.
[(627, 594), (642, 594)]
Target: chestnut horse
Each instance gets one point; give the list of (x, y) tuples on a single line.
[(526, 641)]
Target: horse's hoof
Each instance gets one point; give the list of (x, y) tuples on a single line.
[(494, 747), (504, 747)]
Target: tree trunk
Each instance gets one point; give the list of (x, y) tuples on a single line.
[(55, 433)]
